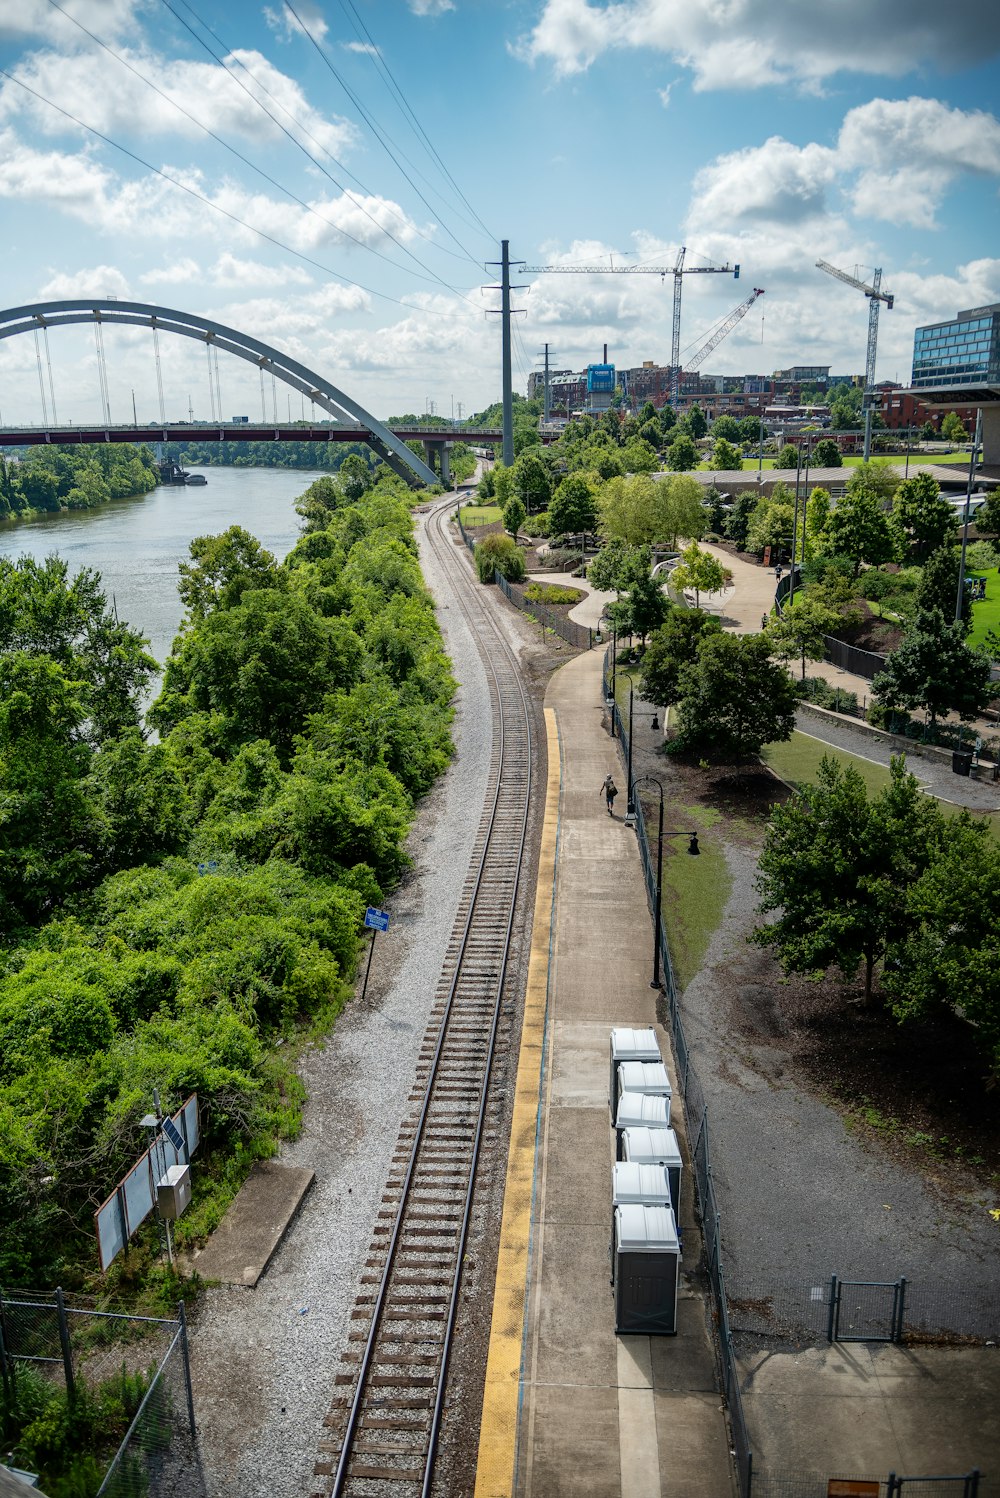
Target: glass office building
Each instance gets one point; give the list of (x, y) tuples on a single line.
[(965, 351)]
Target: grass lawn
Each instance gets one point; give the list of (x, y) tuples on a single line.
[(986, 614), (852, 460), (797, 762), (481, 514), (695, 890)]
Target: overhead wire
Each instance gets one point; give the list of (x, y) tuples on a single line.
[(379, 63), (372, 124), (429, 274), (224, 63), (217, 207)]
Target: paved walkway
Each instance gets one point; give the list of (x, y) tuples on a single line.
[(569, 1408)]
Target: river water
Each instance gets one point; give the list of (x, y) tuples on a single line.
[(136, 544)]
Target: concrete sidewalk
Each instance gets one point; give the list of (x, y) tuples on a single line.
[(581, 1411)]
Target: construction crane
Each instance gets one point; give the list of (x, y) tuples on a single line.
[(875, 295), (678, 270), (724, 329)]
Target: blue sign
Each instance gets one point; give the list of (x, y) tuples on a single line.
[(377, 920), (173, 1133)]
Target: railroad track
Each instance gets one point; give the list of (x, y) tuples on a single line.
[(386, 1415)]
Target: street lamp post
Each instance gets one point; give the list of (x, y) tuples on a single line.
[(614, 668), (630, 809), (650, 780)]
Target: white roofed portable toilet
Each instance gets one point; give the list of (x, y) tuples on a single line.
[(636, 1110), (647, 1259), (656, 1147), (629, 1045), (647, 1185), (646, 1077)]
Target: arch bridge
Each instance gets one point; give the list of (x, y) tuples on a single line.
[(350, 421)]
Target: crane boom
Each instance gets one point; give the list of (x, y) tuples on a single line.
[(678, 270), (872, 291), (726, 328), (875, 295)]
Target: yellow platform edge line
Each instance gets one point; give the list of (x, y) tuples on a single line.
[(502, 1393)]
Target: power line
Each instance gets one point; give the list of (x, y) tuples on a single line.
[(371, 123), (297, 143), (379, 63), (430, 275), (217, 208)]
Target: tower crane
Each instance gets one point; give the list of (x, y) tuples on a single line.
[(875, 295), (678, 270), (724, 329)]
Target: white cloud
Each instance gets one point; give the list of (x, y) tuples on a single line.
[(777, 182), (367, 49), (182, 272), (99, 281), (757, 43), (110, 98), (430, 7), (37, 18), (286, 27)]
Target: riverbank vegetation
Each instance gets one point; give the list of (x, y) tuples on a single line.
[(325, 456), (177, 914), (49, 479)]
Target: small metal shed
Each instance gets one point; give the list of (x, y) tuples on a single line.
[(630, 1045), (656, 1147), (637, 1111), (646, 1077), (646, 1270)]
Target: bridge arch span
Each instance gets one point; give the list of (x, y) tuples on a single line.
[(335, 402)]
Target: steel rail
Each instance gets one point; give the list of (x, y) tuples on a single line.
[(342, 1476)]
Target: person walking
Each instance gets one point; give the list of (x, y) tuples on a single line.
[(610, 791)]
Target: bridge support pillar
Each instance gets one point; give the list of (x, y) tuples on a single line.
[(439, 449), (991, 437)]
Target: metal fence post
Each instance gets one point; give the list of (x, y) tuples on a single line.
[(6, 1370), (187, 1365), (64, 1342), (831, 1317), (972, 1486), (897, 1331)]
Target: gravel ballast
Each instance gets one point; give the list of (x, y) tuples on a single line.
[(264, 1360)]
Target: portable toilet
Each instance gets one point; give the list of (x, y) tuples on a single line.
[(629, 1045), (656, 1147), (638, 1111), (646, 1077), (648, 1185), (646, 1270)]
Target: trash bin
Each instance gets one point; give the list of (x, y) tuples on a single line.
[(638, 1111), (961, 761), (644, 1185), (656, 1147), (629, 1045), (649, 1078), (647, 1269)]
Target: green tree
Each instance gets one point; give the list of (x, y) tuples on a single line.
[(572, 508), (727, 429), (532, 481), (617, 565), (817, 515), (627, 508), (878, 479), (513, 516), (738, 520), (673, 646), (836, 868), (495, 554), (934, 669), (938, 586), (668, 417), (988, 515), (696, 422), (725, 456), (503, 483), (799, 632), (827, 454), (639, 456), (860, 529), (680, 511), (734, 699), (952, 428), (951, 956), (223, 568), (644, 607), (771, 523), (788, 456), (647, 412), (923, 513), (355, 477), (699, 570), (682, 454)]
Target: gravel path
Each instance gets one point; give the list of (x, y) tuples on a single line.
[(264, 1360), (799, 1196), (933, 773)]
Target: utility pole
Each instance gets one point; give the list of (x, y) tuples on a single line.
[(504, 288), (973, 459), (547, 393)]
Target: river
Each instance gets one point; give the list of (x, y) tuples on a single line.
[(136, 544)]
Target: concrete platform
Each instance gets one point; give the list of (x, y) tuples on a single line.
[(241, 1247)]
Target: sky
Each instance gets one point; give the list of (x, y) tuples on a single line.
[(333, 177)]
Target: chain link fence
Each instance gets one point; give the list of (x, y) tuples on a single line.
[(79, 1349)]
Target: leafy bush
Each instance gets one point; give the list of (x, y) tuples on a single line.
[(814, 689), (552, 593), (499, 553), (980, 556), (540, 524)]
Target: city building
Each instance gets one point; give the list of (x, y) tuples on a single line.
[(956, 366)]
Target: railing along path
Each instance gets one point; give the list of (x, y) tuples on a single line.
[(386, 1415)]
